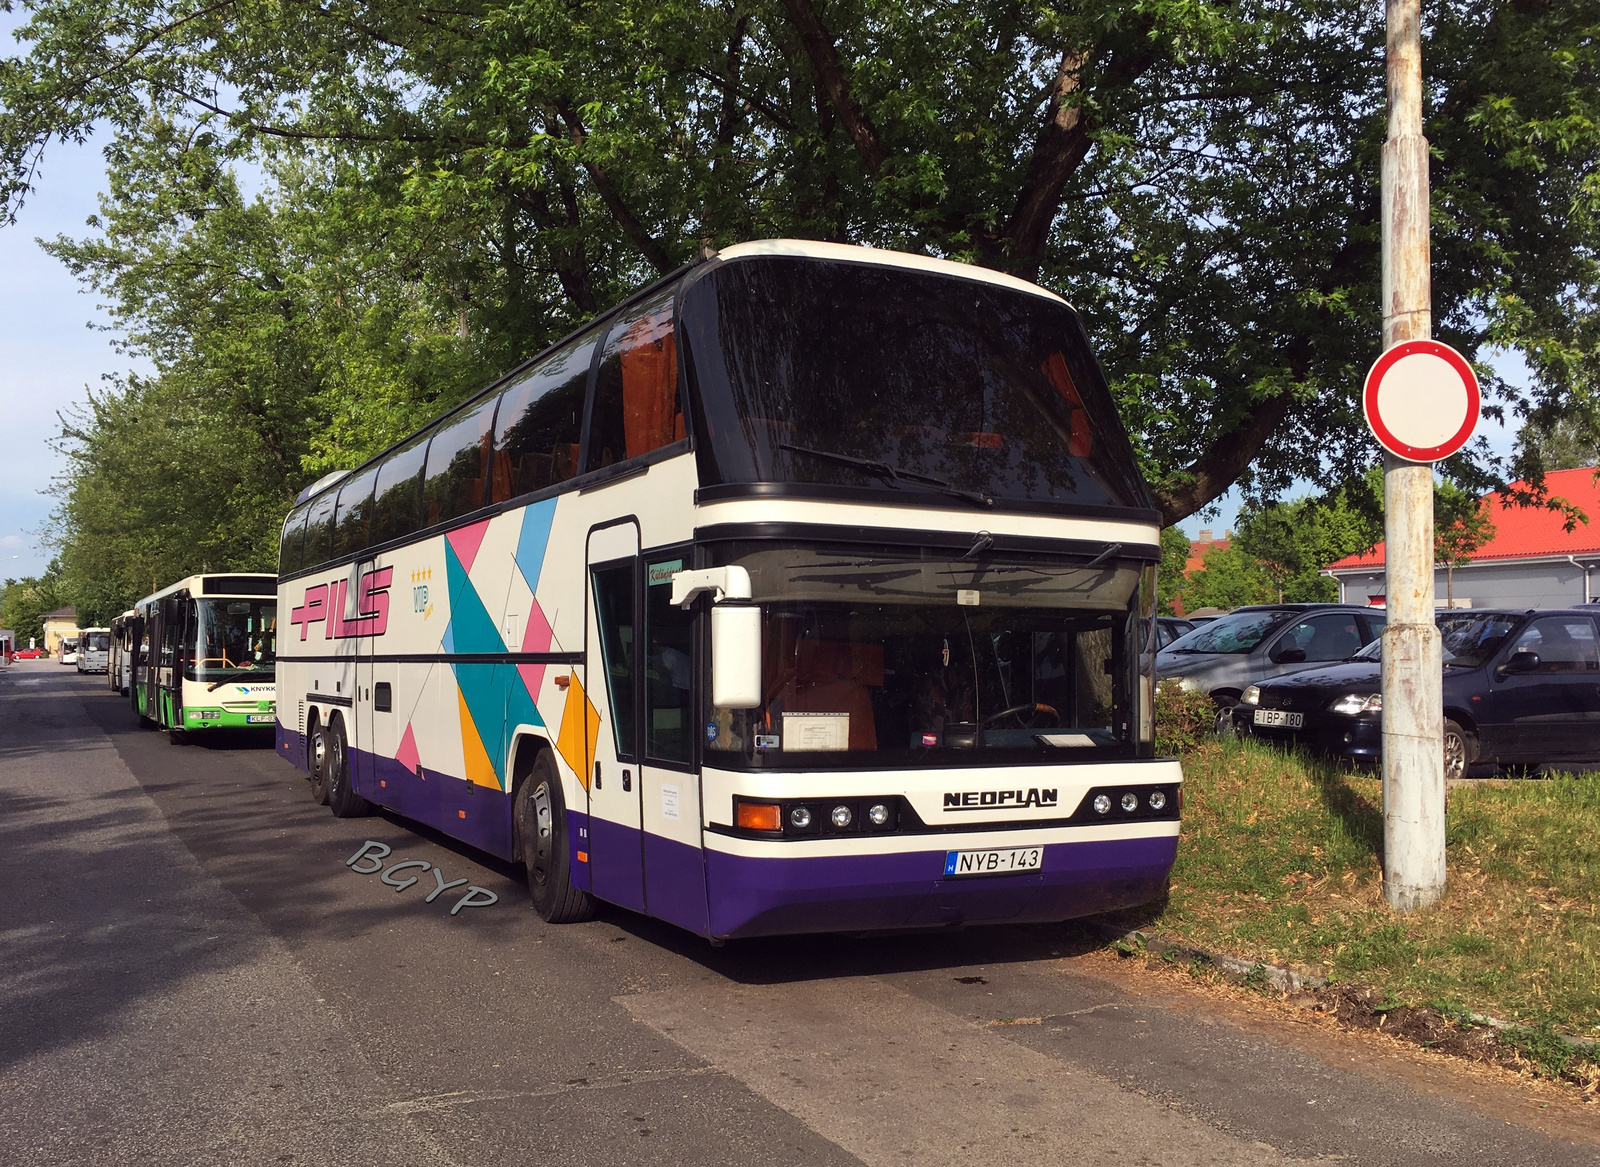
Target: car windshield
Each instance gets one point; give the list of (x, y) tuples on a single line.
[(1469, 641), (1238, 633), (233, 640), (918, 661)]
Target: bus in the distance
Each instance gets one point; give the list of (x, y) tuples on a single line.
[(94, 650), (203, 654), (802, 591), (119, 662)]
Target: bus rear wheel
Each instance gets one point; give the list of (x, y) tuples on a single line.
[(342, 797), (320, 748), (541, 820)]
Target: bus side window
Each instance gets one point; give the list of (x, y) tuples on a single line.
[(394, 508), (541, 422), (458, 465), (355, 511), (290, 559), (636, 406), (318, 547)]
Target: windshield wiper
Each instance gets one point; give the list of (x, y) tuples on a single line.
[(891, 473)]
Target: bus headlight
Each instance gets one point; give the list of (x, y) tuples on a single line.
[(1158, 800), (1130, 802), (800, 817), (1102, 804), (1252, 696), (841, 817), (877, 814)]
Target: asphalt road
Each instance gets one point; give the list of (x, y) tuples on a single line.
[(189, 973)]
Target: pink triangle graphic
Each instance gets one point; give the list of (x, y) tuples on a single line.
[(406, 755), (535, 639), (466, 541)]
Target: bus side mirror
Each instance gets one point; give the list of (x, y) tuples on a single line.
[(736, 655)]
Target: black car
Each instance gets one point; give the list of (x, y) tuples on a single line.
[(1169, 628), (1520, 689)]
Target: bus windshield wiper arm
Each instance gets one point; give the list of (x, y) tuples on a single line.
[(1111, 552), (892, 473)]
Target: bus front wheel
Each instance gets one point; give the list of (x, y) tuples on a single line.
[(342, 797), (541, 818)]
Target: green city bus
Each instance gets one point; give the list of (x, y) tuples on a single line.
[(205, 654)]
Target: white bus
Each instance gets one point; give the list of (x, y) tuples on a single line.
[(800, 592), (203, 654), (119, 665), (94, 648)]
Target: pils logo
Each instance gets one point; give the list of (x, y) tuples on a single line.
[(327, 604)]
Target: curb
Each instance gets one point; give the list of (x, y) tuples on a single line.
[(1279, 977)]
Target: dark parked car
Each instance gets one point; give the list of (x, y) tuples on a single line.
[(1227, 655), (1169, 628), (1520, 689)]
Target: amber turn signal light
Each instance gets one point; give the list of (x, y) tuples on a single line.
[(759, 816)]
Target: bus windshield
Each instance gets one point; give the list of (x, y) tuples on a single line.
[(852, 375), (97, 641), (871, 660), (233, 639)]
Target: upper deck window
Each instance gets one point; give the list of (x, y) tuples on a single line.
[(541, 422), (458, 464), (856, 375), (636, 408)]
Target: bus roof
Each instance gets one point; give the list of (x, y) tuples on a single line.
[(804, 248), (210, 584)]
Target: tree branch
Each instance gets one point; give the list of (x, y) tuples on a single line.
[(835, 82), (626, 219), (1063, 143), (1220, 467)]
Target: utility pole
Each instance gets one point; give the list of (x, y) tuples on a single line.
[(1413, 713)]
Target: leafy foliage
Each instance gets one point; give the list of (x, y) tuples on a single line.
[(1294, 541), (1174, 562), (444, 190), (24, 602)]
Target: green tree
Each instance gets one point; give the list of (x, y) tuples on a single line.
[(1174, 562), (1201, 179), (1227, 578), (24, 602), (1294, 541), (1461, 525)]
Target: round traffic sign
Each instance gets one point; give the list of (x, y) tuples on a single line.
[(1421, 400)]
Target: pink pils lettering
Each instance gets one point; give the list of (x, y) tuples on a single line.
[(312, 610), (327, 603)]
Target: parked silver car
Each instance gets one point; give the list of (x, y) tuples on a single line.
[(1227, 655)]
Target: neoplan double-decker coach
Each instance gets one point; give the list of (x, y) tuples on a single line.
[(802, 591)]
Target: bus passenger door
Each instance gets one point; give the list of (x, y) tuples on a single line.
[(616, 861)]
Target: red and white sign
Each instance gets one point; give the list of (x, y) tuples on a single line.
[(1422, 400)]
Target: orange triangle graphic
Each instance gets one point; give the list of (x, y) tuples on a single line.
[(480, 770)]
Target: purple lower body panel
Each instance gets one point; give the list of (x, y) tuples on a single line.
[(844, 893), (292, 746)]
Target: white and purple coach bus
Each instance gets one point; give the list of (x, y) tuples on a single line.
[(800, 592)]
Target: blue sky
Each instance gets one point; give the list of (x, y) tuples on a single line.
[(52, 347)]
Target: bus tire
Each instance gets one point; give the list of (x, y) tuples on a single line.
[(342, 797), (318, 748), (541, 823), (176, 736)]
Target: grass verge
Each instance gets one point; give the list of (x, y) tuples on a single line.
[(1279, 861)]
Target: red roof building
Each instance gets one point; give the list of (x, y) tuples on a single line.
[(1532, 561)]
